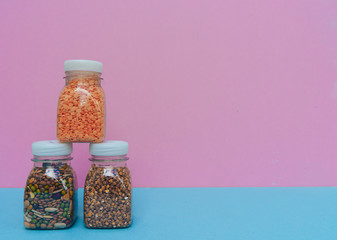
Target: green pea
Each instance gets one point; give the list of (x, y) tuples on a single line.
[(62, 205), (63, 192), (46, 187), (30, 185), (68, 185), (66, 209), (38, 191), (34, 216), (46, 191), (34, 220), (33, 188), (38, 225), (46, 196), (64, 214), (56, 184), (68, 216)]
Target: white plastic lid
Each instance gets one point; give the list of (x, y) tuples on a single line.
[(51, 148), (83, 65), (109, 148)]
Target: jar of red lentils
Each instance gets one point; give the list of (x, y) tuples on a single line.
[(81, 105), (107, 190)]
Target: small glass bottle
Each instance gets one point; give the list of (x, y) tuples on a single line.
[(49, 198), (81, 105), (107, 190)]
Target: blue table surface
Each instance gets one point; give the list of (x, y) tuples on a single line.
[(199, 213)]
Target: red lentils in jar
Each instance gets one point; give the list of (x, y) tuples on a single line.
[(81, 105)]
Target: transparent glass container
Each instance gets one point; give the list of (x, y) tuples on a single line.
[(50, 192), (81, 108), (107, 193)]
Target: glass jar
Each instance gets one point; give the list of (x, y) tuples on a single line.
[(81, 105), (49, 198), (107, 190)]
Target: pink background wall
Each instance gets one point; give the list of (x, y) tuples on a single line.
[(208, 93)]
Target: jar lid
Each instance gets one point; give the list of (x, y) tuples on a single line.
[(51, 148), (109, 148), (83, 65)]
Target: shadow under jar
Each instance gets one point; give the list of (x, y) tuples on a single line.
[(81, 105), (49, 197), (107, 191)]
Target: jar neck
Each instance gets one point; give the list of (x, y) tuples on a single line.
[(83, 78), (40, 161), (112, 161)]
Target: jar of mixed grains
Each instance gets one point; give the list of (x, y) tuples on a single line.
[(107, 190), (49, 198)]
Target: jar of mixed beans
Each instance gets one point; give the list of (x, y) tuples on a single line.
[(81, 105), (107, 190), (49, 197)]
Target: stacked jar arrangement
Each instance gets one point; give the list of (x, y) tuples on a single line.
[(50, 192)]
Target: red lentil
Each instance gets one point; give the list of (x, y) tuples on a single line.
[(81, 108)]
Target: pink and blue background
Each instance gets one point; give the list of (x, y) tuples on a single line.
[(207, 93)]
